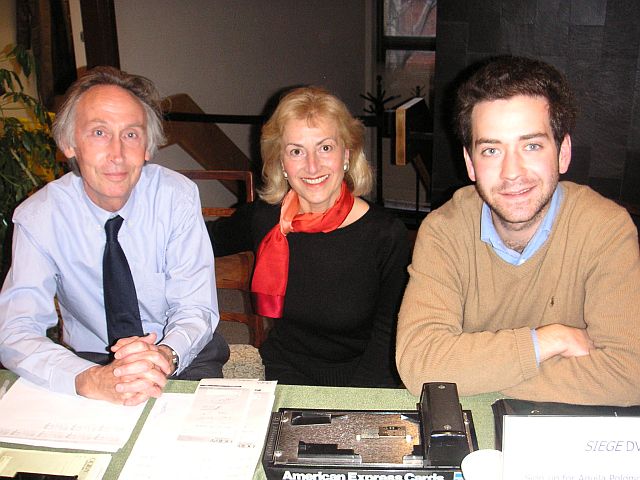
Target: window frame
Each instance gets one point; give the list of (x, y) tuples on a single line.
[(398, 42)]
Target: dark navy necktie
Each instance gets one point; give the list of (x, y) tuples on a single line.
[(120, 300)]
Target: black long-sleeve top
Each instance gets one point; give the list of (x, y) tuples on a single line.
[(343, 294)]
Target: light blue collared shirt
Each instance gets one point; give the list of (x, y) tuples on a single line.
[(489, 234), (58, 243)]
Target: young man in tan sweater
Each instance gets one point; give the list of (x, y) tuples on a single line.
[(523, 284)]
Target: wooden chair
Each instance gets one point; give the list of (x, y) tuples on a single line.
[(233, 272), (222, 175)]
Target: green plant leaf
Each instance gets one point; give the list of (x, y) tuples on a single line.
[(24, 58), (4, 80), (16, 78), (27, 150)]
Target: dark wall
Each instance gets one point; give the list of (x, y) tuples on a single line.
[(596, 43)]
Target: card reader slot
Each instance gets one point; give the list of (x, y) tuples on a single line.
[(326, 452), (312, 418)]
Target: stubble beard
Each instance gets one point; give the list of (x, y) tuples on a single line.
[(514, 221)]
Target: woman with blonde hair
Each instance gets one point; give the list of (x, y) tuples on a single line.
[(330, 267)]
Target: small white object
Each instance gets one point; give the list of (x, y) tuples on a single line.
[(483, 464)]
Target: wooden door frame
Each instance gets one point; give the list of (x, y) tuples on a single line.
[(100, 33)]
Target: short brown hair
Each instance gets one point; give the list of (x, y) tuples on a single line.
[(506, 76)]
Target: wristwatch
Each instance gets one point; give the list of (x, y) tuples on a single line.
[(175, 359)]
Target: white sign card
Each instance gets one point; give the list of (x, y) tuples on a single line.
[(571, 448)]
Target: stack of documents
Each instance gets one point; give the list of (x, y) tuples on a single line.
[(32, 415), (218, 432)]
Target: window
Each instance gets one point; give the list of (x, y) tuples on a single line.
[(406, 46), (406, 34)]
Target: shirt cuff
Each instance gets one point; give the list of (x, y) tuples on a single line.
[(174, 354), (63, 377), (536, 346)]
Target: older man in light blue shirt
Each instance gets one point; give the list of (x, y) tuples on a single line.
[(109, 128)]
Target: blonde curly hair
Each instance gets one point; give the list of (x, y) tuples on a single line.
[(312, 103)]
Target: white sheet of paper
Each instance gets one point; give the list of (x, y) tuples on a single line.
[(32, 415), (193, 435), (224, 408), (87, 466), (216, 414), (155, 453), (570, 448)]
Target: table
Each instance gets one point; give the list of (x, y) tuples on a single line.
[(295, 396)]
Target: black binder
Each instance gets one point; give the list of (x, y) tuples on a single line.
[(509, 406)]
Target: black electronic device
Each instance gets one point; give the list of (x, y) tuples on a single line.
[(443, 427), (424, 444)]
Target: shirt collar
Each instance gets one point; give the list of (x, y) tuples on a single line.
[(127, 211), (489, 234)]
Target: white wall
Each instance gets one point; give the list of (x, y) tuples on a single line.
[(7, 22), (76, 30), (231, 56)]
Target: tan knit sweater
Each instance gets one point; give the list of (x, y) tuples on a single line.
[(466, 315)]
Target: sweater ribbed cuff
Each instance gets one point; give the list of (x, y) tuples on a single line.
[(526, 353)]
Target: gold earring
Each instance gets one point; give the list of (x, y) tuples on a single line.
[(285, 175), (345, 167)]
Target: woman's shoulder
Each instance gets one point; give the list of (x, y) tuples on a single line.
[(377, 217), (358, 210), (379, 229), (385, 234)]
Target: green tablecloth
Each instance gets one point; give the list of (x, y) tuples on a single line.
[(288, 396)]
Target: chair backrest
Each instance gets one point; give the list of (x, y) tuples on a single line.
[(233, 272), (222, 175)]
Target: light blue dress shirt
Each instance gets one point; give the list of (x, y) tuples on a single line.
[(489, 234), (58, 245)]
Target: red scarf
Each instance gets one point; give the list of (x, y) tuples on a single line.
[(271, 272)]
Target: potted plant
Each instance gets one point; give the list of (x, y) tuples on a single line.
[(27, 148)]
